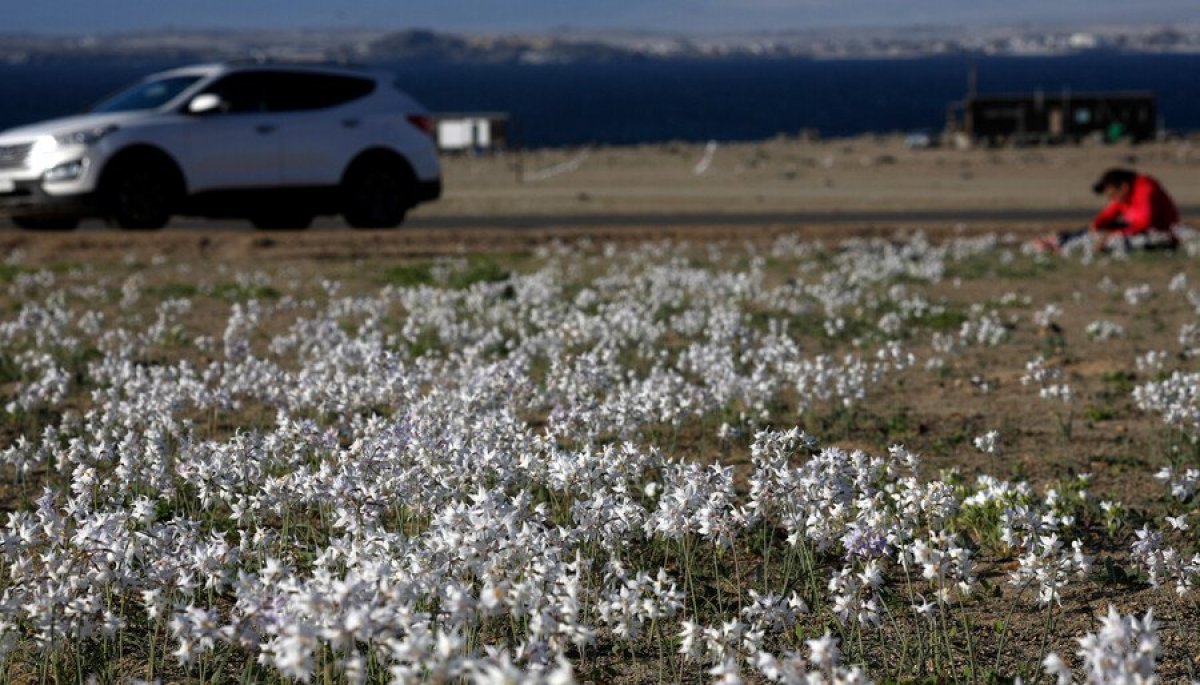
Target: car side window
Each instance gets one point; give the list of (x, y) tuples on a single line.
[(305, 92), (242, 92)]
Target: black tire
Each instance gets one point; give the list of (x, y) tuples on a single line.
[(47, 223), (376, 194), (139, 192), (282, 221)]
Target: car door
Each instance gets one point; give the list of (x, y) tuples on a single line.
[(319, 127), (238, 145)]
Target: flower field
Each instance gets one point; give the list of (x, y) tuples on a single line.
[(792, 462)]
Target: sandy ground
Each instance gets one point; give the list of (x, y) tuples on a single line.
[(867, 185)]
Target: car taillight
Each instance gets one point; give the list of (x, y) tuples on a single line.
[(424, 123)]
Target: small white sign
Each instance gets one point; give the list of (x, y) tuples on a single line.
[(7, 185)]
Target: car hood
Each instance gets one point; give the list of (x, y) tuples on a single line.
[(81, 122)]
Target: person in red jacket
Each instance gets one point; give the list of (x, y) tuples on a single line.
[(1138, 209)]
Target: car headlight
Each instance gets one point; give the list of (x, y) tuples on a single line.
[(87, 136), (42, 146)]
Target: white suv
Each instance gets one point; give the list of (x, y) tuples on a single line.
[(278, 144)]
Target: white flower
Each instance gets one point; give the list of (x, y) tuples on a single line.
[(987, 443), (1104, 330), (1056, 668), (823, 652)]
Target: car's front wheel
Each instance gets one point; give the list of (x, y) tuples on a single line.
[(140, 192), (376, 194), (47, 223)]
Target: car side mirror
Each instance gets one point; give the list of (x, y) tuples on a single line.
[(205, 103)]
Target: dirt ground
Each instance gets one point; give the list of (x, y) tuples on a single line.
[(633, 193), (782, 174), (936, 414)]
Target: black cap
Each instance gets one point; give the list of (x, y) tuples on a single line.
[(1113, 177)]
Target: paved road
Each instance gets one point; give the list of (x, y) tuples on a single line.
[(911, 218), (759, 218)]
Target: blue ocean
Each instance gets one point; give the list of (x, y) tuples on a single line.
[(654, 101)]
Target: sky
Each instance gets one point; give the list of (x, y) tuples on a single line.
[(685, 16)]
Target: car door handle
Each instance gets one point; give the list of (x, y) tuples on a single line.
[(265, 128), (350, 123)]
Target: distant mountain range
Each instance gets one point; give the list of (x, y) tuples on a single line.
[(573, 46)]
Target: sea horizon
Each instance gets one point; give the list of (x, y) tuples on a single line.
[(565, 105)]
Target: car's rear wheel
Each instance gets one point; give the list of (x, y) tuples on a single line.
[(282, 221), (376, 194), (47, 223), (139, 192)]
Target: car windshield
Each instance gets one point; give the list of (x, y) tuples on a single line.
[(146, 95)]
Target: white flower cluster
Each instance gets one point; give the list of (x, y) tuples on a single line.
[(1189, 339), (1047, 316), (1037, 372), (988, 443), (1104, 330), (1163, 563), (985, 327), (482, 484), (1124, 652), (1176, 398), (1135, 295), (1152, 362)]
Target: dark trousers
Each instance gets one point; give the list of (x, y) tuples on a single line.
[(1067, 237)]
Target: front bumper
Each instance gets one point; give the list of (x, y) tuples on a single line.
[(29, 198)]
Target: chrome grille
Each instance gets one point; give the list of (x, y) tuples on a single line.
[(14, 156)]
